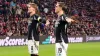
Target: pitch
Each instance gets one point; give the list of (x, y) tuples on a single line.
[(75, 49)]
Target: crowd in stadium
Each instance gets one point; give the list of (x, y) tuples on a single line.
[(14, 16)]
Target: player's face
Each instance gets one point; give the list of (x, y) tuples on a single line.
[(57, 8), (31, 9)]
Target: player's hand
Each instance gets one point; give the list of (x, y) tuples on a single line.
[(70, 20), (47, 22), (75, 18)]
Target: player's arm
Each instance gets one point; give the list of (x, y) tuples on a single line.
[(41, 20), (71, 19), (47, 22)]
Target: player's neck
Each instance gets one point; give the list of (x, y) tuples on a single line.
[(60, 13)]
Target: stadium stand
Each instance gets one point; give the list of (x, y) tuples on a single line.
[(14, 16)]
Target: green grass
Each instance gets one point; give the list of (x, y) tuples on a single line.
[(76, 49)]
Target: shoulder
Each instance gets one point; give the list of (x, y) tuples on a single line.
[(36, 16), (63, 16)]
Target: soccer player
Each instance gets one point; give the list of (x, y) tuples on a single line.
[(61, 29), (33, 34)]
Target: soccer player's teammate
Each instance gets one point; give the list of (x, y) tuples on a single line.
[(33, 34), (61, 25)]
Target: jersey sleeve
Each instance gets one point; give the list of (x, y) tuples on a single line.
[(41, 20), (63, 19)]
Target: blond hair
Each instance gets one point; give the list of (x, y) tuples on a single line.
[(34, 6)]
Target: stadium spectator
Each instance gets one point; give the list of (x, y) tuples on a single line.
[(13, 16)]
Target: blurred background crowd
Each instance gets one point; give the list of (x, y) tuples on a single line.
[(14, 16)]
